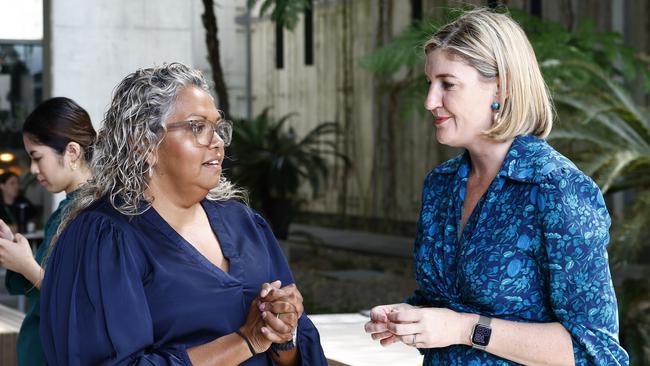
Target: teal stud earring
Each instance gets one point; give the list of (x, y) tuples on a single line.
[(495, 106)]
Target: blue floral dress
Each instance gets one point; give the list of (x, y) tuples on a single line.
[(533, 250)]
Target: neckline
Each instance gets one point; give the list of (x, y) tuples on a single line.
[(216, 225), (474, 216)]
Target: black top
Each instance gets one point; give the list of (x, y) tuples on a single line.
[(11, 214)]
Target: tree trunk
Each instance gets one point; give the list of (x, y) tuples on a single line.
[(210, 24)]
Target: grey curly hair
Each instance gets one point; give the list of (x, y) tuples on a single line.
[(132, 130)]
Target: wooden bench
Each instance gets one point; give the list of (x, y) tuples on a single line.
[(10, 321)]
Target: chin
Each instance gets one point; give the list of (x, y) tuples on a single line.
[(444, 140), (212, 183)]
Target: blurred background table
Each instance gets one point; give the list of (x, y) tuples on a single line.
[(346, 343), (10, 321)]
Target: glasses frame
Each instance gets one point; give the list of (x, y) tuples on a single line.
[(216, 128)]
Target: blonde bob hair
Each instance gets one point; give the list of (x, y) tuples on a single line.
[(497, 47)]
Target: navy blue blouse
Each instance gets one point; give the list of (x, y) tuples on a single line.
[(533, 250), (124, 290)]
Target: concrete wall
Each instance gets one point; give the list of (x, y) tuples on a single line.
[(94, 44)]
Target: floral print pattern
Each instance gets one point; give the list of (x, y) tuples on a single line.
[(533, 250)]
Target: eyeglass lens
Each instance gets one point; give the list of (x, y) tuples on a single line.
[(205, 134)]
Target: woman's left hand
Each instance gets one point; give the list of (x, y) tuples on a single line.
[(6, 232), (281, 308), (272, 292), (420, 327)]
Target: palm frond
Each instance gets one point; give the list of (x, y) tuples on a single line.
[(403, 51), (284, 12), (629, 239), (270, 156), (574, 133), (610, 172)]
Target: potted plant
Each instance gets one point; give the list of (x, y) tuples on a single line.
[(272, 162)]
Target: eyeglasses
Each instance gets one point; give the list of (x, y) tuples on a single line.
[(204, 131)]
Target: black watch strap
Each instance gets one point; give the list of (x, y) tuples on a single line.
[(276, 347)]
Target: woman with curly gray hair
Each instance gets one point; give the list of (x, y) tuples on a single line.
[(156, 262)]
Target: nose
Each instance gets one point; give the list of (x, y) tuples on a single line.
[(33, 168), (433, 99), (216, 141)]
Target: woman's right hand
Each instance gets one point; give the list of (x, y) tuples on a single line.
[(252, 329), (377, 327), (16, 255)]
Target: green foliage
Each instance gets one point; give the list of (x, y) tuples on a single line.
[(404, 54), (618, 131), (403, 51), (635, 308), (271, 159), (284, 12), (555, 46)]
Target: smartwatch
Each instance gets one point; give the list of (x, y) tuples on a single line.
[(481, 333)]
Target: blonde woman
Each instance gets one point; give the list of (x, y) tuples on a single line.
[(510, 254), (157, 262)]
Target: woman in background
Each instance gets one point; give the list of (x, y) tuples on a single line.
[(12, 202), (58, 137)]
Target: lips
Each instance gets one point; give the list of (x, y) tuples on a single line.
[(213, 162), (440, 119)]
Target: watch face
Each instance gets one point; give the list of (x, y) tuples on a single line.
[(481, 335)]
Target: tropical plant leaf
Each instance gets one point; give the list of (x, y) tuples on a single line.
[(403, 51), (283, 12), (271, 158)]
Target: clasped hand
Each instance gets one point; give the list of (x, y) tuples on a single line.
[(273, 316), (15, 252), (414, 326)]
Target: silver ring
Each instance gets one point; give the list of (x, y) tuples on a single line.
[(414, 339), (277, 316)]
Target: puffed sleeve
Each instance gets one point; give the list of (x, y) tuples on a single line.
[(94, 309), (575, 226), (308, 339)]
